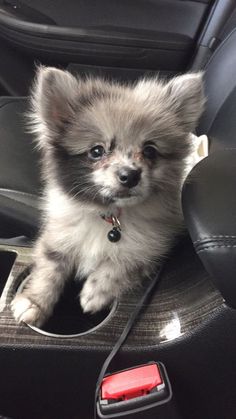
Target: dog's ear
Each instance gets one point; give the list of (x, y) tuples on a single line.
[(54, 96), (186, 99)]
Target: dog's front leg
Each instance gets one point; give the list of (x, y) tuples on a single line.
[(43, 286), (102, 287)]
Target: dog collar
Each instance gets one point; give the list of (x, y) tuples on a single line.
[(113, 235)]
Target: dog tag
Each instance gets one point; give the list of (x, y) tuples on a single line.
[(114, 235)]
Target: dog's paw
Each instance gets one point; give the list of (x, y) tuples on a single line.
[(25, 311), (92, 298)]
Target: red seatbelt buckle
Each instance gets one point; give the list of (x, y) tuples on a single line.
[(133, 390)]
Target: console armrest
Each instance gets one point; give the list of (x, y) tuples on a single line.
[(209, 206), (20, 213)]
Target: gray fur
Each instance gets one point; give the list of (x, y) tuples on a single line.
[(70, 117)]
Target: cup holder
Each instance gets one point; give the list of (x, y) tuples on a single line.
[(7, 260), (68, 319)]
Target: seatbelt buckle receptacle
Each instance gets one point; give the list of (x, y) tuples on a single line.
[(134, 390)]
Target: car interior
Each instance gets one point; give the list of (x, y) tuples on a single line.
[(188, 324)]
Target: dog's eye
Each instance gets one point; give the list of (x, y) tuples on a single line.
[(150, 152), (96, 152)]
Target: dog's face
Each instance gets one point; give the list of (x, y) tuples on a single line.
[(114, 144)]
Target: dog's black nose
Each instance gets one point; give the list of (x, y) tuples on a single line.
[(129, 177)]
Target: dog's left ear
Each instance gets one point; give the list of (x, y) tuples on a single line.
[(186, 99)]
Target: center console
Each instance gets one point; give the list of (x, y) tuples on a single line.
[(51, 372)]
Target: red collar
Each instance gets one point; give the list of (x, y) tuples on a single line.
[(108, 217)]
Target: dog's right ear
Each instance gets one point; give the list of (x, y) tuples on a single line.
[(53, 99)]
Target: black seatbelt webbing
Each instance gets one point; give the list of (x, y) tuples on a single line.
[(171, 411)]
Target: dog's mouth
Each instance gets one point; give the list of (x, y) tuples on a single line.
[(127, 198), (124, 194)]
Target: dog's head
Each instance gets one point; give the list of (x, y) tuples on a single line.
[(110, 143)]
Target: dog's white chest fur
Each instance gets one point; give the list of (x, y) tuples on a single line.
[(83, 233)]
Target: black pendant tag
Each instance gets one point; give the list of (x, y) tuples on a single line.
[(114, 235)]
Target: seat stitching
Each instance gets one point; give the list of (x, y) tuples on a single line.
[(217, 246), (215, 237)]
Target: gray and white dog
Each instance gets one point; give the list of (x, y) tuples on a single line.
[(110, 152)]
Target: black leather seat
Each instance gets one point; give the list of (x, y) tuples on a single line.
[(19, 172), (209, 199), (199, 349), (218, 120)]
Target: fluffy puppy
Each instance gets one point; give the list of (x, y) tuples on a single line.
[(108, 151)]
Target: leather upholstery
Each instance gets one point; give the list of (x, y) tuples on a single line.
[(209, 203), (220, 83), (19, 171), (209, 199), (222, 131)]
